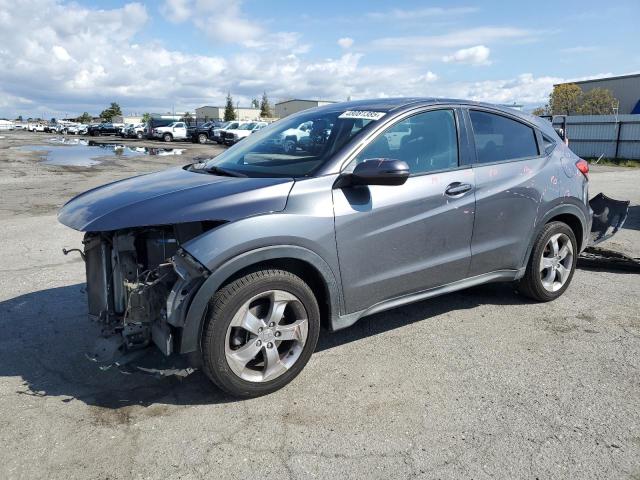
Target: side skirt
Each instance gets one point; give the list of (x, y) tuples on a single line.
[(344, 321)]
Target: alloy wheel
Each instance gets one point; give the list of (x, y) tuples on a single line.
[(266, 336), (556, 262)]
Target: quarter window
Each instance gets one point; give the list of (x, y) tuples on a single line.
[(547, 144), (426, 142), (499, 138)]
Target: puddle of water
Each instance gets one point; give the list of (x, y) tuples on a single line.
[(78, 152)]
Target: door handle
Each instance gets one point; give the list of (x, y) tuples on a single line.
[(457, 188)]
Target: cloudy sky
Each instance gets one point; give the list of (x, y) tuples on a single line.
[(62, 58)]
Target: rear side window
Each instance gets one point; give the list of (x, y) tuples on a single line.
[(499, 138)]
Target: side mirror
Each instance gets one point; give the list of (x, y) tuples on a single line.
[(377, 171)]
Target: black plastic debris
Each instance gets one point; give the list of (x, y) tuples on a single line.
[(608, 217)]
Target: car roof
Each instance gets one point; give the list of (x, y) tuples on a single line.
[(389, 105)]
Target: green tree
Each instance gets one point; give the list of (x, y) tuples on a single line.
[(19, 119), (229, 112), (255, 103), (111, 111), (84, 118), (565, 99), (598, 101), (146, 117), (265, 107)]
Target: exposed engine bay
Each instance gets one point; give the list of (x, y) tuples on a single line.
[(139, 284)]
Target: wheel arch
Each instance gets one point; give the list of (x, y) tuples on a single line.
[(568, 213), (298, 260)]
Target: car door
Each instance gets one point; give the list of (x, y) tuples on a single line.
[(512, 177), (180, 130), (397, 240)]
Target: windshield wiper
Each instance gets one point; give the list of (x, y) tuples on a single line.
[(224, 171)]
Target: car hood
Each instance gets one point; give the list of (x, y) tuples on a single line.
[(173, 196)]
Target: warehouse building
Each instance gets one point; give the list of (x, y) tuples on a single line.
[(626, 88), (289, 107), (207, 113)]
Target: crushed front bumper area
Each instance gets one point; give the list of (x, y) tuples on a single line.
[(139, 285), (608, 217)]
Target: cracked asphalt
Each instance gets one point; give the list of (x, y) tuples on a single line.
[(476, 384)]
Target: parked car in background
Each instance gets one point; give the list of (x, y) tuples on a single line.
[(217, 133), (133, 130), (173, 131), (204, 132), (289, 140), (233, 136), (102, 129), (240, 259), (156, 122), (36, 127)]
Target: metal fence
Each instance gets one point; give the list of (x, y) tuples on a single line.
[(612, 136)]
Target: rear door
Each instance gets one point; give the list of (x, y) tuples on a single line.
[(512, 177), (397, 240)]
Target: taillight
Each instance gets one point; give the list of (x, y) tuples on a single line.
[(583, 166)]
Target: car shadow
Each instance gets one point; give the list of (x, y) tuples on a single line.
[(46, 335)]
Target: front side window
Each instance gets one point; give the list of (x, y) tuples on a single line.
[(427, 142), (295, 146), (499, 138)]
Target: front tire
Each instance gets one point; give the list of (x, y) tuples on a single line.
[(167, 137), (552, 263), (202, 138), (260, 332)]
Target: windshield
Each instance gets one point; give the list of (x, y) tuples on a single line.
[(283, 149), (247, 126)]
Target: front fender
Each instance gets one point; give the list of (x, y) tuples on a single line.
[(194, 320)]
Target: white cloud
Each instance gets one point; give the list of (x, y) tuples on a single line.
[(421, 13), (478, 55), (61, 53), (454, 39), (525, 88), (176, 11), (345, 42), (89, 70)]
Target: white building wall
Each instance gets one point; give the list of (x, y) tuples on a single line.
[(217, 113)]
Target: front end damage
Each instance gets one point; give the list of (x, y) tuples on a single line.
[(139, 285)]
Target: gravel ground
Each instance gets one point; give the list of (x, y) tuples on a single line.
[(477, 384)]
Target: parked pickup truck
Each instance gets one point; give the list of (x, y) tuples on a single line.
[(173, 131), (233, 136), (103, 129), (204, 132)]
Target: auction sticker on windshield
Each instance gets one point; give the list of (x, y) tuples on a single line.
[(362, 114)]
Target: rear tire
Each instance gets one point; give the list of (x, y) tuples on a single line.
[(552, 263), (202, 138), (223, 337)]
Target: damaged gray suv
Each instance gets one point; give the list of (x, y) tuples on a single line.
[(372, 205)]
